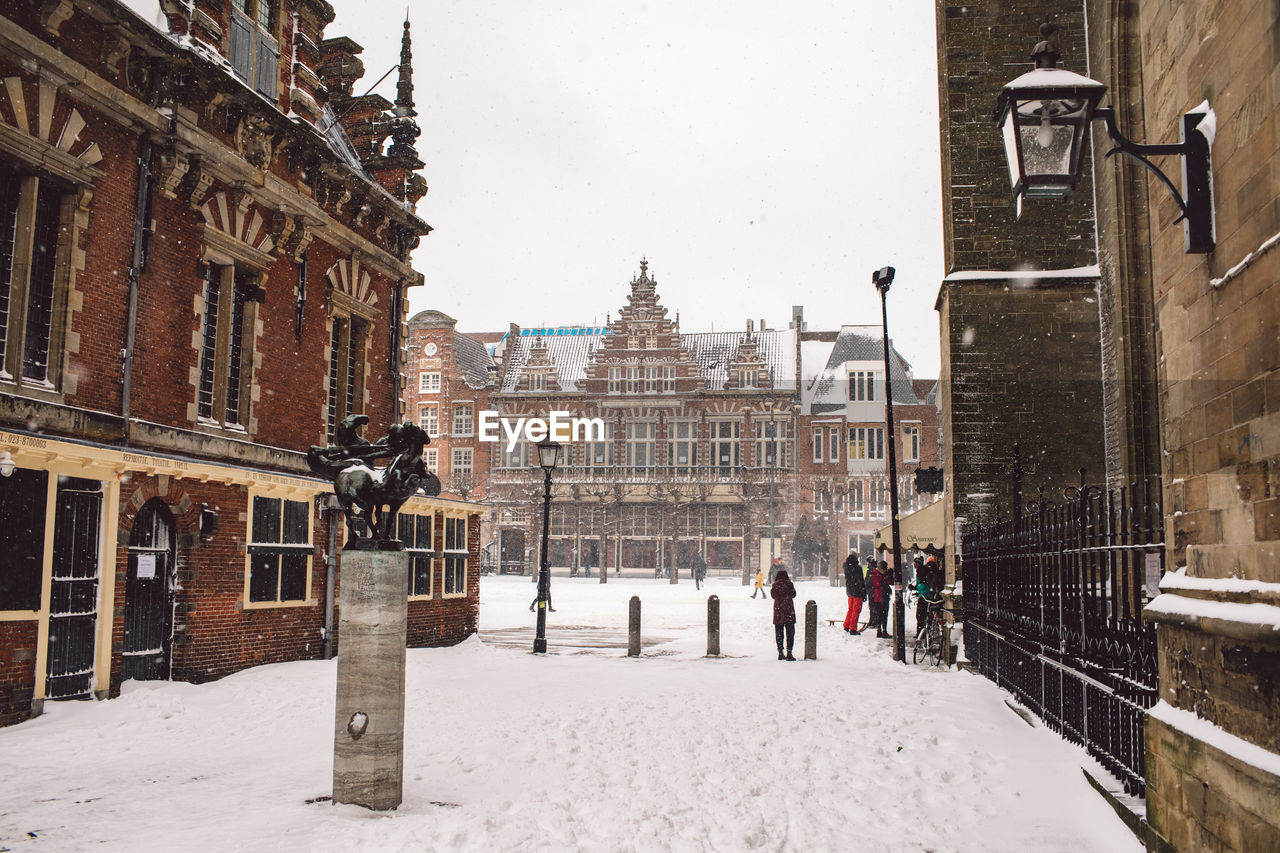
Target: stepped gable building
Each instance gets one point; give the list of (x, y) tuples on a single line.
[(697, 449), (204, 257)]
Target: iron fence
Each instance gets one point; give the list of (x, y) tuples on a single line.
[(1053, 600)]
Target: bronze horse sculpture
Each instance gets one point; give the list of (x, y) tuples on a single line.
[(374, 495)]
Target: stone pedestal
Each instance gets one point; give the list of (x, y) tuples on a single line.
[(368, 732)]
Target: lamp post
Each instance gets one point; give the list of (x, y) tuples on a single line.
[(548, 457), (882, 278), (771, 431), (1043, 116)]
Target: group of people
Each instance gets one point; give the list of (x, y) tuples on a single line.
[(875, 587)]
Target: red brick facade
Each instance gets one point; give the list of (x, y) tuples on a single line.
[(178, 336)]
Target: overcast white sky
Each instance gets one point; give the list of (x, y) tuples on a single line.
[(760, 154)]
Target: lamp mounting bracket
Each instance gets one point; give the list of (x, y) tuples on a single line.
[(1140, 151), (1197, 205)]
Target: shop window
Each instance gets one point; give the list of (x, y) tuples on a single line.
[(23, 496), (280, 550)]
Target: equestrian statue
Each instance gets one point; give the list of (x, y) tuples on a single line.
[(371, 497)]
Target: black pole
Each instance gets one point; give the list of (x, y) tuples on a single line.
[(544, 573), (882, 279)]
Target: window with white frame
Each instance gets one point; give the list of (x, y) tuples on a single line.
[(771, 443), (461, 460), (651, 381), (415, 531), (818, 434), (640, 443), (597, 454), (615, 380), (226, 346), (877, 505), (516, 457), (834, 445), (668, 379), (538, 380), (279, 550), (682, 451), (429, 383), (429, 419), (911, 443), (725, 439), (862, 384), (866, 442), (431, 458), (856, 506), (820, 499), (455, 557), (463, 419), (633, 379)]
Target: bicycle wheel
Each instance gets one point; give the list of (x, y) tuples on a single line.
[(933, 643)]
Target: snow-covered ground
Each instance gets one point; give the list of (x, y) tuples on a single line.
[(580, 749)]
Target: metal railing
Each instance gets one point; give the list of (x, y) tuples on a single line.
[(1053, 600)]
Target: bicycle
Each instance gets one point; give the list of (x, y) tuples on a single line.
[(928, 642)]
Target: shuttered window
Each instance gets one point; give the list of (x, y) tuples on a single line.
[(255, 55)]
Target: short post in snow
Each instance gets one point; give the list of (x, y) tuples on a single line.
[(811, 630), (633, 628), (713, 626)]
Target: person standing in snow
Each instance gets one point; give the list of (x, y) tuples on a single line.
[(880, 585), (783, 593), (855, 586), (760, 586), (698, 570)]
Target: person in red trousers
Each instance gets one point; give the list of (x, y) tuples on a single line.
[(855, 586)]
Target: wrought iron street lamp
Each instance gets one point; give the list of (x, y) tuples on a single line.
[(1043, 117), (882, 278), (548, 458)]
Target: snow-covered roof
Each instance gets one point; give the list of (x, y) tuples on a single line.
[(571, 349), (825, 372)]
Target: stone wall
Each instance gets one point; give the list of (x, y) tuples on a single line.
[(1020, 364), (1217, 320)]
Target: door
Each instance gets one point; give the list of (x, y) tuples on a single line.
[(73, 595), (148, 594), (511, 558)]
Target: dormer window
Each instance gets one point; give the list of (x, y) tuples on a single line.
[(255, 54)]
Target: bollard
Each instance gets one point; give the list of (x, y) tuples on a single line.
[(633, 628), (713, 626), (811, 630)]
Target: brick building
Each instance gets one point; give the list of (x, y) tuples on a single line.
[(202, 271), (455, 374), (707, 443), (1186, 352)]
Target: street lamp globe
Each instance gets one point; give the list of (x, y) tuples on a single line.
[(548, 454), (1043, 117)]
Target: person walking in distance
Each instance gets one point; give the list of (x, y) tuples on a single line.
[(783, 593), (879, 583), (698, 570), (760, 586), (855, 586)]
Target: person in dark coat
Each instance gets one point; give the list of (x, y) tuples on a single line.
[(783, 593), (855, 586), (699, 570), (879, 588)]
